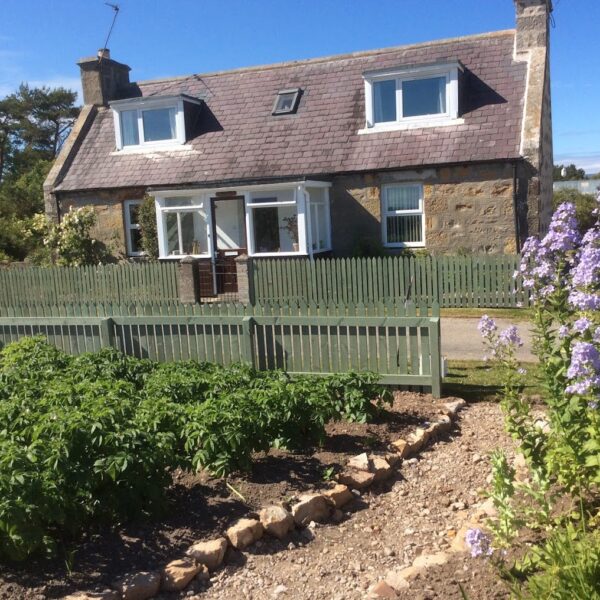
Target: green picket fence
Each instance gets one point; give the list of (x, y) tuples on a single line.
[(125, 282), (453, 281), (399, 342)]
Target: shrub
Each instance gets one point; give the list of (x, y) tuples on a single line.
[(147, 220)]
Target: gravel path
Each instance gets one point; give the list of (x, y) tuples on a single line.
[(462, 341), (419, 514)]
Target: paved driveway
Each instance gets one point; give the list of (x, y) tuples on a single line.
[(462, 341)]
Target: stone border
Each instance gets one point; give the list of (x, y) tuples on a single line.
[(361, 472)]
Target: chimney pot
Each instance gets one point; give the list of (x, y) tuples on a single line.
[(104, 53)]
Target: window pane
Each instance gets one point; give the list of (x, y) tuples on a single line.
[(129, 128), (187, 232), (424, 96), (179, 201), (403, 229), (172, 236), (275, 229), (285, 102), (159, 124), (230, 224), (136, 240), (384, 101), (404, 197), (134, 211)]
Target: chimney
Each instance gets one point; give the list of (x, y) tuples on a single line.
[(533, 17), (103, 79)]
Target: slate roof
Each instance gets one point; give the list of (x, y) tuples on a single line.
[(244, 142)]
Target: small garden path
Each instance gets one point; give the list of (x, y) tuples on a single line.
[(462, 341), (420, 513)]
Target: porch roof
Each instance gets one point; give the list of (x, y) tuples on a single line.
[(240, 140)]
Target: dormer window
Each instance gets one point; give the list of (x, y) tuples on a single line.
[(286, 102), (404, 98), (150, 122)]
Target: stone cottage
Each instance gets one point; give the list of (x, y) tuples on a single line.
[(443, 145)]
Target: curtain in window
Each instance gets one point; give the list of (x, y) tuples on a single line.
[(405, 197), (384, 101), (129, 128)]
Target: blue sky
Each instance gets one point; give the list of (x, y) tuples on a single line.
[(40, 41)]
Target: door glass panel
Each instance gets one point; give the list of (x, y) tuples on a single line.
[(230, 224)]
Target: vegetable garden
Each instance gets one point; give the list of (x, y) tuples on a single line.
[(94, 438)]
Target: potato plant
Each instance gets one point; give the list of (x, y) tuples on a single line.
[(92, 439)]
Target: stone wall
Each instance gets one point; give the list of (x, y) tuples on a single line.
[(108, 206), (466, 208)]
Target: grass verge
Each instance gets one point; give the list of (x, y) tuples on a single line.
[(514, 314), (477, 380)]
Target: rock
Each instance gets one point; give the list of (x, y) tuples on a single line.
[(485, 510), (337, 516), (409, 573), (311, 507), (280, 589), (444, 424), (402, 448), (139, 586), (360, 462), (356, 479), (209, 553), (452, 408), (395, 460), (381, 469), (339, 495), (418, 439), (244, 533), (396, 581), (382, 590), (276, 520), (459, 543), (105, 595), (429, 560), (178, 573)]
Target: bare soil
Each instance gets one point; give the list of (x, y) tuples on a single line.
[(202, 507)]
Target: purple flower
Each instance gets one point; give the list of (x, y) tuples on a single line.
[(596, 336), (582, 324), (479, 543), (487, 326), (510, 337), (584, 300), (584, 369), (522, 371), (593, 404), (563, 331)]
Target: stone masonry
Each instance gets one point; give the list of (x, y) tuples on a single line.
[(466, 207)]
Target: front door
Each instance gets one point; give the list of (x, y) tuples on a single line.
[(229, 238)]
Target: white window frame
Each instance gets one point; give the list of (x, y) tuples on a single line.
[(129, 226), (301, 199), (385, 213), (142, 104), (451, 117), (325, 202), (200, 202)]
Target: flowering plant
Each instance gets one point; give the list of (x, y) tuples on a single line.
[(70, 242)]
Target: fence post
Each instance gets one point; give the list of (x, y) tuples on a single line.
[(436, 357), (244, 268), (248, 340), (189, 288), (107, 333)]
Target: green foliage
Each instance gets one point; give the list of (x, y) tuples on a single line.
[(572, 173), (92, 439), (33, 125), (584, 206), (565, 567), (147, 221), (70, 242)]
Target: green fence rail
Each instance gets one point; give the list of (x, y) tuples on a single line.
[(400, 343), (453, 281), (106, 283)]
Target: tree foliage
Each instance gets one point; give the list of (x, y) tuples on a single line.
[(147, 221), (585, 204), (34, 123), (571, 173)]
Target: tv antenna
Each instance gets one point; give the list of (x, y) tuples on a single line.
[(116, 9)]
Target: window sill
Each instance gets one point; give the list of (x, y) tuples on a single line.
[(275, 254), (151, 148), (403, 126)]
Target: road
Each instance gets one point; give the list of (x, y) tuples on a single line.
[(462, 341)]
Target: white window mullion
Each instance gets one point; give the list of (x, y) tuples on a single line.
[(302, 220), (179, 235), (399, 107)]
